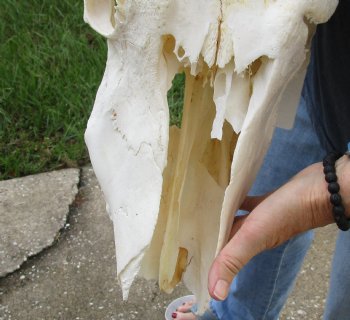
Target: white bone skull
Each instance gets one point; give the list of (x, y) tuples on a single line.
[(172, 193)]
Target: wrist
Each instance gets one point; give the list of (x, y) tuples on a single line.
[(324, 207), (343, 172), (337, 174), (318, 202), (313, 191)]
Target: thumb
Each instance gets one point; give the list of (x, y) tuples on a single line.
[(245, 244), (270, 223)]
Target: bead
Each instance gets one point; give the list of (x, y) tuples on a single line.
[(328, 169), (333, 187), (331, 177), (338, 210), (343, 223), (337, 218), (330, 158), (328, 162), (336, 199)]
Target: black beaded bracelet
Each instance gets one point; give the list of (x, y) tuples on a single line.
[(340, 218)]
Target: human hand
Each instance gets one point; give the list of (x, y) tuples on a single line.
[(299, 205)]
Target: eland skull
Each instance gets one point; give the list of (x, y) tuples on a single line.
[(172, 193)]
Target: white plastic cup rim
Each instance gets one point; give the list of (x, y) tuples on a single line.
[(177, 303)]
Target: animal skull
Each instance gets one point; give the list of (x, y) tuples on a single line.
[(245, 62)]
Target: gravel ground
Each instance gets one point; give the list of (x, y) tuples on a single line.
[(76, 277)]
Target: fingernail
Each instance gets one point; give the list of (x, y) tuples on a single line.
[(174, 315), (221, 289)]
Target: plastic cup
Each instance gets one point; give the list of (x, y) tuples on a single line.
[(177, 303)]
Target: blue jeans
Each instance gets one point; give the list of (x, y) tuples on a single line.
[(261, 288)]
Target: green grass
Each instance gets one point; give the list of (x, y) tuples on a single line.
[(175, 99), (51, 64)]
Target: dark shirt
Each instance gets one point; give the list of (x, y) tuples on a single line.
[(327, 84)]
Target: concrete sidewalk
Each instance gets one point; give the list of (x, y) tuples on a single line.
[(72, 274)]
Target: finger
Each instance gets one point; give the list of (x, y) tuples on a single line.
[(186, 306), (184, 316), (245, 244), (238, 222), (251, 202)]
